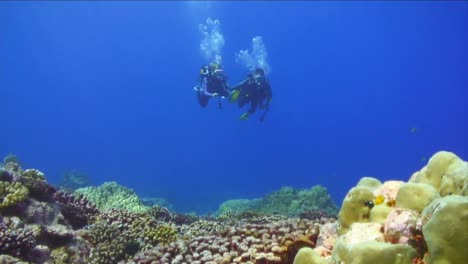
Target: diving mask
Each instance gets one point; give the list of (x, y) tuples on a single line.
[(218, 73), (259, 79)]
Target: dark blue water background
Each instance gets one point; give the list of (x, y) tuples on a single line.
[(360, 89)]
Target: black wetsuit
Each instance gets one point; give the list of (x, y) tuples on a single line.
[(211, 85), (255, 93)]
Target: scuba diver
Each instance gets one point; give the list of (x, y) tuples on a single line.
[(255, 90), (213, 83)]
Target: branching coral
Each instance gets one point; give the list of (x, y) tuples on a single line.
[(165, 215), (266, 240), (15, 241), (108, 243), (161, 235), (314, 214), (202, 228), (38, 187), (78, 211), (11, 193), (161, 213)]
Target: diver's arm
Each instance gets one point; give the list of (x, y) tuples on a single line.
[(204, 86), (226, 86), (240, 85)]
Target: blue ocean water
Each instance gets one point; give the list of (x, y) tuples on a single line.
[(359, 89)]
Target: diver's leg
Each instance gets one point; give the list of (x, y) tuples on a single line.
[(253, 106), (224, 93), (242, 100), (203, 99), (252, 109)]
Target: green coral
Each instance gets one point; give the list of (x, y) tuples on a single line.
[(108, 243), (110, 195), (161, 235), (11, 193), (33, 180), (33, 175), (287, 201), (238, 205), (228, 214), (290, 201)]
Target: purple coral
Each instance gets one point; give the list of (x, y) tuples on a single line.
[(78, 211), (41, 190), (5, 175), (16, 242)]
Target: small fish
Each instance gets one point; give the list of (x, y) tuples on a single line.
[(369, 204), (379, 199), (413, 129), (391, 203)]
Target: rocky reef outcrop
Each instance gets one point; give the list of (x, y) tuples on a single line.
[(424, 220)]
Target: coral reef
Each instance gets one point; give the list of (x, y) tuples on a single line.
[(287, 201), (15, 240), (446, 172), (422, 221), (414, 222), (307, 255), (165, 215), (156, 201), (111, 195), (38, 187), (161, 234), (12, 193), (238, 205), (446, 229), (77, 210), (108, 243), (266, 240), (314, 214)]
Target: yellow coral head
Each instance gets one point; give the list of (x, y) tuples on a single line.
[(379, 199)]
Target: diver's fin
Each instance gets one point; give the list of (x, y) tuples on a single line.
[(234, 96), (244, 116)]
